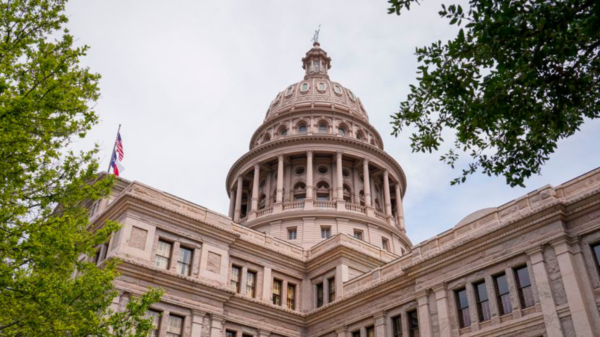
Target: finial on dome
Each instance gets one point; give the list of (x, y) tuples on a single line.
[(315, 38)]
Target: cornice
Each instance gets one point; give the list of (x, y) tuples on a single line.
[(279, 144)]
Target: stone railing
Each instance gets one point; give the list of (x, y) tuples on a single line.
[(356, 208), (324, 204), (264, 211), (289, 205), (380, 215)]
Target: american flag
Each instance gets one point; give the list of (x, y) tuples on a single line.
[(117, 156)]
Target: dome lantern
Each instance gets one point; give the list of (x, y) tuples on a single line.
[(316, 62)]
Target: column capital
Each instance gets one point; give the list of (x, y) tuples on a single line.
[(280, 157), (257, 166), (422, 294), (264, 333), (338, 153), (440, 290), (341, 329), (309, 153), (198, 313), (379, 314)]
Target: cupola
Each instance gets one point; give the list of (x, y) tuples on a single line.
[(316, 62)]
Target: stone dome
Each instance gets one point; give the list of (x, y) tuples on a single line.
[(316, 90)]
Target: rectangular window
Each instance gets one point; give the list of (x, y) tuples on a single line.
[(104, 250), (175, 328), (251, 284), (277, 285), (524, 287), (184, 263), (413, 323), (358, 234), (397, 326), (155, 316), (462, 304), (385, 244), (234, 282), (319, 295), (503, 294), (596, 253), (246, 335), (230, 333), (483, 304), (325, 232), (371, 331), (356, 333), (97, 257), (331, 284), (291, 296), (292, 233), (163, 255)]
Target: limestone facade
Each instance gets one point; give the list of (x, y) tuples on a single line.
[(315, 243)]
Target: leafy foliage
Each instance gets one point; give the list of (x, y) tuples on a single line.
[(519, 76), (47, 287)]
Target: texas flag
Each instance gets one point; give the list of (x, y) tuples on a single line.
[(117, 156)]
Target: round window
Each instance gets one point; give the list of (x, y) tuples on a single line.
[(322, 169), (346, 173), (300, 170)]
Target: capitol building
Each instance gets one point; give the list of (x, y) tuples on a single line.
[(314, 243)]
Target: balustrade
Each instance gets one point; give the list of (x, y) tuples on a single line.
[(380, 215), (325, 204), (356, 208), (293, 205), (265, 211)]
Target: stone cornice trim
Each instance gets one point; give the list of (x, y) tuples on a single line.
[(321, 139)]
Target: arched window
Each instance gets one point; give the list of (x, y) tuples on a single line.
[(347, 193), (266, 138), (377, 205), (361, 196), (289, 90), (283, 131), (323, 127), (300, 191), (341, 130), (304, 87), (262, 202), (360, 135), (323, 190), (321, 86), (302, 128)]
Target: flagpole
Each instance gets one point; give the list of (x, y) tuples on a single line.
[(114, 149)]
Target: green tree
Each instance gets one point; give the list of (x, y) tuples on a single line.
[(47, 288), (519, 76)]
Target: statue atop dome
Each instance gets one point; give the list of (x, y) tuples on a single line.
[(315, 38)]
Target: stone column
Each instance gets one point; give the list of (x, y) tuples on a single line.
[(269, 188), (386, 194), (231, 203), (542, 283), (255, 184), (340, 182), (197, 320), (244, 280), (196, 262), (309, 181), (441, 298), (577, 287), (238, 199), (341, 276), (341, 331), (267, 283), (379, 324), (423, 312), (174, 257), (399, 208), (367, 183), (514, 292), (216, 325), (279, 198), (164, 323)]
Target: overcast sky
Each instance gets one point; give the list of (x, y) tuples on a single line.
[(190, 81)]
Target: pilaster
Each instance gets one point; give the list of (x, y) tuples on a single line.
[(542, 283)]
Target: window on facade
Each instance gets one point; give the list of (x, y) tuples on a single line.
[(325, 232), (321, 86), (413, 323), (163, 254), (356, 333), (342, 131), (358, 234), (397, 326), (319, 288), (155, 316), (234, 282), (351, 94), (483, 304), (292, 233), (596, 253), (184, 263), (322, 170), (385, 244), (370, 331), (331, 285), (291, 296), (175, 328), (97, 256), (230, 333), (503, 294), (304, 87), (104, 251), (323, 128), (337, 89), (300, 170), (251, 284), (277, 285), (283, 132), (302, 128), (524, 287), (462, 304), (289, 90), (246, 335)]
